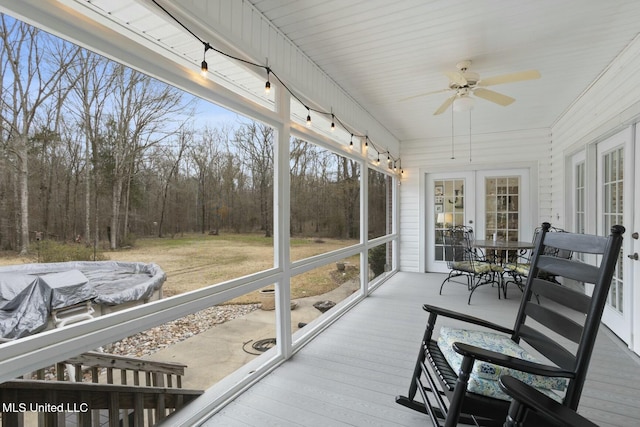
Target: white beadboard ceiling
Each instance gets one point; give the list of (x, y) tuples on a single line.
[(381, 51)]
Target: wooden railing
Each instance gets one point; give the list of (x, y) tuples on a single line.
[(93, 394)]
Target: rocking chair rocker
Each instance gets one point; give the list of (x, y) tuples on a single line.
[(459, 371)]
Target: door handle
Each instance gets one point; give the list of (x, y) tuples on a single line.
[(634, 256)]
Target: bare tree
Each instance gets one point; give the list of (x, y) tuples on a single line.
[(172, 164), (91, 94), (143, 109), (255, 143), (207, 155), (34, 64)]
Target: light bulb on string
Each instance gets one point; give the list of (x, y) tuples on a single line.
[(351, 143), (267, 85), (204, 67), (308, 117), (333, 125)]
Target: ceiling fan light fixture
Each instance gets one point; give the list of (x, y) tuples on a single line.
[(463, 103)]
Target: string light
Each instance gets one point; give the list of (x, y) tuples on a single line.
[(267, 85), (204, 69)]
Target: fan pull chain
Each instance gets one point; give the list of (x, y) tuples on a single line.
[(469, 136), (452, 156)]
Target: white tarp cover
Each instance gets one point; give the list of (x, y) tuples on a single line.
[(29, 292)]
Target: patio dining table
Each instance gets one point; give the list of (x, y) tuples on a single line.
[(500, 249), (502, 245)]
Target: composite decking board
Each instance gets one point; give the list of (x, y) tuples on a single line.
[(329, 404), (335, 383), (375, 384), (389, 352), (603, 378), (372, 351), (250, 416), (385, 361), (608, 406), (368, 372), (604, 416), (362, 361)]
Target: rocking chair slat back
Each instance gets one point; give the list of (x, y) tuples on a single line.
[(555, 352), (562, 295), (556, 322), (562, 329), (569, 269), (584, 243)]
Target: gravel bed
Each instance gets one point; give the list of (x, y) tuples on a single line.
[(159, 337), (154, 339)]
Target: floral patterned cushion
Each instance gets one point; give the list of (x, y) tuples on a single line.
[(488, 371), (492, 388), (477, 267), (521, 269)]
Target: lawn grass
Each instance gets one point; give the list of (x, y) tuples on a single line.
[(193, 261)]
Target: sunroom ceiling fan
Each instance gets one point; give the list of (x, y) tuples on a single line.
[(465, 83)]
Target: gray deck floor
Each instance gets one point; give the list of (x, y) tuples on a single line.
[(350, 374)]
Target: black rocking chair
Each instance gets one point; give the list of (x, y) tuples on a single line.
[(526, 398), (457, 374)]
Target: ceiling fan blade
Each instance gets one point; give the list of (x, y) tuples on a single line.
[(456, 77), (446, 104), (510, 78), (423, 94), (492, 96)]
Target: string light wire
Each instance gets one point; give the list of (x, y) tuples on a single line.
[(334, 118)]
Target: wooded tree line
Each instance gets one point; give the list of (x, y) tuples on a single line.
[(92, 151)]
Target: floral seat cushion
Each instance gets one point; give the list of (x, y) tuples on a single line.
[(485, 375), (477, 267), (521, 269)]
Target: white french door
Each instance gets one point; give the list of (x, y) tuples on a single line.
[(615, 202), (489, 201), (450, 202)]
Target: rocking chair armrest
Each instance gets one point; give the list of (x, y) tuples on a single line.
[(500, 359), (543, 405), (465, 318)]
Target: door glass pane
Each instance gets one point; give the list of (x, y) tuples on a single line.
[(612, 214), (448, 205), (502, 207)]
